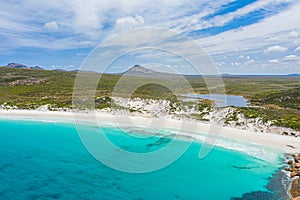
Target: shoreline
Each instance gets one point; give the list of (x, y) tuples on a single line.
[(271, 141), (286, 144)]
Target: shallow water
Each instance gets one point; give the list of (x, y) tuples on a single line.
[(41, 160)]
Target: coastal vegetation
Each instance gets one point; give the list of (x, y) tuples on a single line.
[(272, 98)]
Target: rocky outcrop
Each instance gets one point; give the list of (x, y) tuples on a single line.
[(22, 66), (231, 117), (30, 81), (295, 189), (297, 198), (295, 172)]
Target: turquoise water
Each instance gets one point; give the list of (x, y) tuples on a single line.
[(43, 160)]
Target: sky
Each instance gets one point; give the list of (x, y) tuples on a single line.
[(240, 36)]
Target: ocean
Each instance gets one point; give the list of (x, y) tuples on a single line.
[(47, 160)]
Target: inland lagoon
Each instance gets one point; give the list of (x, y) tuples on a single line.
[(220, 100)]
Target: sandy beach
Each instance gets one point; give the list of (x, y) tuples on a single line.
[(194, 129)]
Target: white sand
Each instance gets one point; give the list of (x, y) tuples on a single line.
[(189, 128)]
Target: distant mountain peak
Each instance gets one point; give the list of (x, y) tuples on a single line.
[(138, 69), (142, 71), (294, 75), (22, 66)]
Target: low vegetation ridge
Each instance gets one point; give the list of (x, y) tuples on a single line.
[(273, 98)]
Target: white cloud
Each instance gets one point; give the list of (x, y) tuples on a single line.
[(235, 64), (297, 49), (130, 21), (221, 20), (291, 58), (220, 64), (293, 34), (66, 67), (273, 39), (51, 26), (84, 24), (178, 20), (88, 18), (248, 62), (274, 61), (253, 38), (275, 48)]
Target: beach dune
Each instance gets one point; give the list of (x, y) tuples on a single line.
[(194, 129)]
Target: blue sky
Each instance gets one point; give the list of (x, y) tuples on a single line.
[(241, 36)]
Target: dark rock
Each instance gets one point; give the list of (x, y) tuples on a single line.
[(291, 146), (255, 195), (295, 188), (276, 189), (288, 169), (295, 173)]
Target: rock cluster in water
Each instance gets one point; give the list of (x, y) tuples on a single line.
[(295, 173)]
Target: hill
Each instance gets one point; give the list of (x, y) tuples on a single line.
[(22, 66), (277, 96), (138, 70), (141, 71), (293, 75)]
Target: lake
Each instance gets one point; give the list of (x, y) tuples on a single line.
[(220, 100)]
